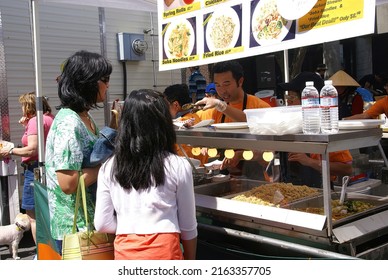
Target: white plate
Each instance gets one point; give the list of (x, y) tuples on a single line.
[(169, 34), (213, 165), (359, 124), (220, 178), (260, 12), (295, 9), (203, 123), (232, 38), (232, 125), (6, 145)]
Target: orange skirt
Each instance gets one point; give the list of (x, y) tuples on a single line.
[(158, 246)]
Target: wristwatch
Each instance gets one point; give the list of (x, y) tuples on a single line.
[(10, 151)]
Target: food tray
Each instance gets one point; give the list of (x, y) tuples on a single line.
[(227, 188), (276, 194), (234, 187), (362, 187), (317, 202), (378, 190)]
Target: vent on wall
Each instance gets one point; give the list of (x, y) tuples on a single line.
[(131, 46)]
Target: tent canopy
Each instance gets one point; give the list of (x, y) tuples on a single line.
[(138, 5)]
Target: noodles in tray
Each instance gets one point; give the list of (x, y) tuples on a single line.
[(178, 42), (269, 22), (222, 32)]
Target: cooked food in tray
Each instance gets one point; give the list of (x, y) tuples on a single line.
[(349, 207), (276, 194)]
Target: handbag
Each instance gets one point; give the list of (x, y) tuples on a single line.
[(89, 244)]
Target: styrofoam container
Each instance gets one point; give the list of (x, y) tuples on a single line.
[(275, 120)]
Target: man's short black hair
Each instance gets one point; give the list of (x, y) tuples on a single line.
[(178, 92)]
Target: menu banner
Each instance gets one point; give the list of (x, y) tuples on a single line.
[(198, 32)]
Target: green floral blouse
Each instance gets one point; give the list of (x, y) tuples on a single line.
[(68, 142)]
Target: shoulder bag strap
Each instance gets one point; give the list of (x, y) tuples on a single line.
[(80, 192)]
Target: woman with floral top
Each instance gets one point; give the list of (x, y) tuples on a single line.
[(82, 85)]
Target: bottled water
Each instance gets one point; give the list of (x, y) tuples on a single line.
[(329, 108), (310, 109)]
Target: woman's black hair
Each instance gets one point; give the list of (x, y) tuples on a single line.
[(78, 84), (146, 136)]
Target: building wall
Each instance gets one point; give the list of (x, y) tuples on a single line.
[(65, 29)]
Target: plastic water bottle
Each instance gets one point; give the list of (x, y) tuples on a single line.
[(310, 109), (329, 108)]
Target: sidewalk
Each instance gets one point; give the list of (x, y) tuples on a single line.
[(26, 249)]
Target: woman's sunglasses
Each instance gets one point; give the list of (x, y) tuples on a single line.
[(105, 80)]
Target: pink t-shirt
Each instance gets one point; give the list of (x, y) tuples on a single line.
[(32, 129)]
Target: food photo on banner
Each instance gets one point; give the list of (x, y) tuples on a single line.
[(268, 27), (227, 30), (222, 29), (179, 38)]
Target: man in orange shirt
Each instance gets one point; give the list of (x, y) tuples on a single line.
[(232, 101), (229, 78), (380, 107)]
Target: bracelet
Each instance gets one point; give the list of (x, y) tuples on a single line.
[(221, 106), (10, 152)]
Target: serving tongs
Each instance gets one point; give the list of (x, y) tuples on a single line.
[(345, 182), (192, 106)]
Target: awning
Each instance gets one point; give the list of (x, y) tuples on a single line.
[(138, 5)]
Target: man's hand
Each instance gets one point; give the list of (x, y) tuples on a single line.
[(212, 103), (232, 162), (300, 157)]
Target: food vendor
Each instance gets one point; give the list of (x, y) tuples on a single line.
[(230, 106), (229, 78)]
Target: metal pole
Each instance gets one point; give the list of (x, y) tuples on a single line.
[(102, 26), (38, 78), (286, 72), (383, 154), (154, 60)]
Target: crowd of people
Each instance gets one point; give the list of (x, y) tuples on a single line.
[(143, 193)]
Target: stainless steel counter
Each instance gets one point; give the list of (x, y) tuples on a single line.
[(289, 222), (242, 139)]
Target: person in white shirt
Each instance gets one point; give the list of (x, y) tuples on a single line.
[(145, 191)]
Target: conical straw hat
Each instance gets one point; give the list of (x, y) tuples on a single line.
[(341, 78)]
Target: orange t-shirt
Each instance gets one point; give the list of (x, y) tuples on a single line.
[(380, 107), (340, 156), (187, 148)]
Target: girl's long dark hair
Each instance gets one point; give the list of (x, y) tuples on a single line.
[(146, 136)]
